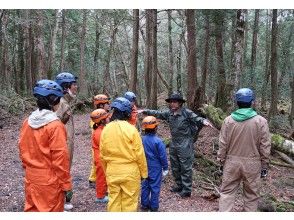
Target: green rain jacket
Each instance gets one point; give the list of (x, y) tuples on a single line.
[(184, 127)]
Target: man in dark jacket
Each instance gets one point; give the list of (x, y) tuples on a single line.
[(184, 125)]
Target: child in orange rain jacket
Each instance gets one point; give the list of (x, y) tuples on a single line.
[(44, 154), (99, 118)]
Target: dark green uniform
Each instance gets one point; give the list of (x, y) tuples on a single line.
[(183, 126)]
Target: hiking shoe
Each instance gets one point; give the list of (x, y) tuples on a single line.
[(176, 189), (92, 184), (68, 206), (153, 209), (144, 208), (102, 200), (185, 194)]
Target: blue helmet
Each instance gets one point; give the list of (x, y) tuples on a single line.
[(122, 104), (130, 96), (47, 87), (245, 95), (65, 77)]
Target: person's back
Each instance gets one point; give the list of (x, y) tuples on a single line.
[(44, 153), (122, 156), (243, 137), (244, 148)]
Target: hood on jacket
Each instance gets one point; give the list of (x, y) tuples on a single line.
[(243, 114), (38, 118)]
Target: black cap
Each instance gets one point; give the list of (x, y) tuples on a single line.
[(176, 96)]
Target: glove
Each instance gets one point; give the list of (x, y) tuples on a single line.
[(164, 173), (263, 173), (68, 195)]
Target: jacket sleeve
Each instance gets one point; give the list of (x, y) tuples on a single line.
[(163, 115), (223, 143), (196, 120), (63, 112), (140, 154), (162, 155), (60, 156), (265, 145), (102, 159)]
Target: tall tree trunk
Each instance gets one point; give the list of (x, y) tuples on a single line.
[(291, 116), (253, 51), (235, 77), (191, 59), (245, 41), (28, 48), (220, 100), (21, 61), (39, 45), (52, 48), (147, 59), (63, 36), (179, 60), (82, 78), (107, 88), (273, 66), (205, 61), (5, 53), (267, 72), (96, 53), (170, 53), (135, 48), (286, 57), (233, 40), (154, 59)]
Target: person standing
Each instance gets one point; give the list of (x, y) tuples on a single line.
[(157, 165), (132, 98), (100, 119), (123, 158), (101, 101), (68, 82), (44, 154), (184, 126), (244, 149)]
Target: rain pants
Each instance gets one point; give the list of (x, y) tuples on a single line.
[(184, 126), (123, 158), (157, 161), (244, 150), (64, 112), (45, 159), (101, 186)]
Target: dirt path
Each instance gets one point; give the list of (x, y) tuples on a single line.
[(11, 173)]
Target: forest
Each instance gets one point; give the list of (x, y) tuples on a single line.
[(206, 55)]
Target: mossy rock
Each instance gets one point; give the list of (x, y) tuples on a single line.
[(277, 140)]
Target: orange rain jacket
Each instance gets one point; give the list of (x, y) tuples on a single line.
[(45, 160), (101, 186)]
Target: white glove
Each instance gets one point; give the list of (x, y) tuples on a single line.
[(165, 172)]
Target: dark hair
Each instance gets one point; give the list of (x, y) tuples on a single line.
[(150, 131), (244, 104), (47, 102), (119, 115), (96, 125), (66, 85)]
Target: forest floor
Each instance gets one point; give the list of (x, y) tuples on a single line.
[(280, 182)]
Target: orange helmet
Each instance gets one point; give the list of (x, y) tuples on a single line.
[(101, 99), (98, 115), (149, 122)]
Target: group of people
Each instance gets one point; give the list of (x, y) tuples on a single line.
[(128, 165)]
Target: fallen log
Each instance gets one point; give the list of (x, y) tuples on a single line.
[(281, 164), (285, 158)]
